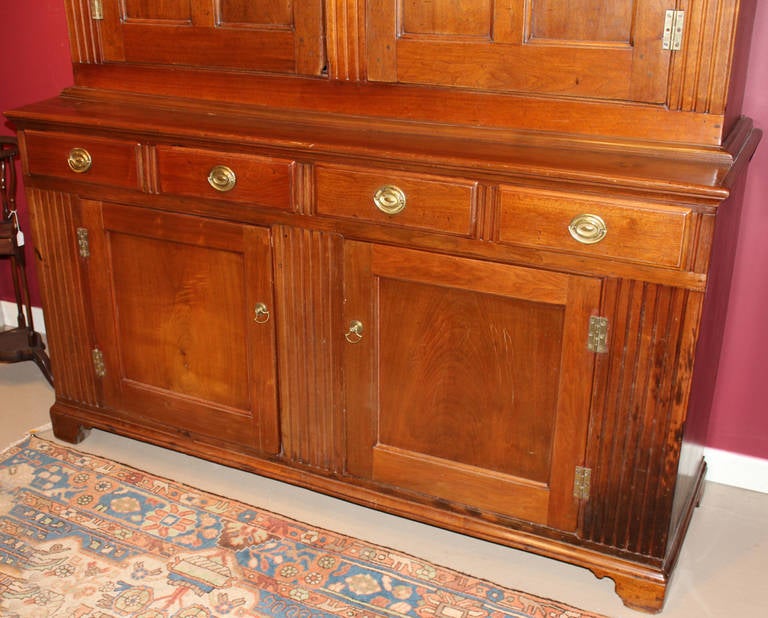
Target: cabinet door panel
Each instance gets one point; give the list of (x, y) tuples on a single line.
[(478, 378), (478, 337), (280, 35), (180, 343), (588, 48), (170, 10)]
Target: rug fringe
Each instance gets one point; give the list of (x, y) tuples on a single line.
[(40, 429), (15, 444), (27, 435)]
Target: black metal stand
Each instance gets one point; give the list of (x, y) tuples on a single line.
[(22, 343)]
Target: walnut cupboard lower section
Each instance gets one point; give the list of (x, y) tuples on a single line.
[(464, 262), (504, 351)]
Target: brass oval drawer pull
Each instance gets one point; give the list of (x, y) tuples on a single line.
[(79, 160), (588, 229), (389, 199), (222, 178)]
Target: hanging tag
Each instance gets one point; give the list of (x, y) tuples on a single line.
[(19, 233)]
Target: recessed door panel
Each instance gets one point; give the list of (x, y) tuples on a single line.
[(595, 21), (447, 18), (158, 10), (265, 13), (166, 293), (476, 364)]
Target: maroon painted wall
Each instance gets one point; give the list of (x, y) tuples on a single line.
[(739, 421), (36, 65)]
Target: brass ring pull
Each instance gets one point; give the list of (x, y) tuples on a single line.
[(222, 178), (588, 229), (79, 160), (355, 332), (389, 199), (261, 313)]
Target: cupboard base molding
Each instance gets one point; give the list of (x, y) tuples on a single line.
[(641, 586)]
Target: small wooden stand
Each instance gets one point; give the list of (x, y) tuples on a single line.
[(22, 343)]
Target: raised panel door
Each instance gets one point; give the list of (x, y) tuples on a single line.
[(282, 36), (606, 49), (181, 309), (468, 382)]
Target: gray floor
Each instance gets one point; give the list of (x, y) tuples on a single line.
[(722, 571)]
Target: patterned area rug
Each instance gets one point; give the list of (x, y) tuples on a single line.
[(85, 537)]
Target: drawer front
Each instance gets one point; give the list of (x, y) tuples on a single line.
[(393, 197), (87, 159), (261, 181), (632, 231)]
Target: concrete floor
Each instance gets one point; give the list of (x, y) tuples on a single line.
[(722, 571)]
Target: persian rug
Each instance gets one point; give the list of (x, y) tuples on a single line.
[(85, 537)]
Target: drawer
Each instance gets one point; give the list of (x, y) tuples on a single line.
[(407, 200), (262, 181), (83, 158), (622, 229)]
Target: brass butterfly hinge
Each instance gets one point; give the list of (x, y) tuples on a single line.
[(582, 482), (672, 39), (97, 9), (99, 368), (597, 340)]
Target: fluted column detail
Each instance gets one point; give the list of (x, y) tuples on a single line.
[(308, 291), (638, 414), (85, 33), (66, 318)]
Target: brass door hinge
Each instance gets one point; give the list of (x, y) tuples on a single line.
[(97, 9), (597, 341), (582, 482), (673, 30), (99, 368), (83, 246)]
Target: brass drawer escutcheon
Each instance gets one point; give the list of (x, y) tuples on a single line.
[(588, 229), (79, 160), (261, 313), (222, 178), (355, 332), (389, 199)]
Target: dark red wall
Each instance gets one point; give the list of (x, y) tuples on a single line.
[(35, 65), (740, 414)]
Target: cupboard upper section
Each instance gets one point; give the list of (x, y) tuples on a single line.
[(517, 64)]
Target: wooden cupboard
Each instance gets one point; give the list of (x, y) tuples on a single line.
[(461, 261)]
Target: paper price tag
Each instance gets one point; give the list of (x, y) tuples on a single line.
[(19, 233)]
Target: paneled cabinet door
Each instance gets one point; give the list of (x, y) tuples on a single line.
[(277, 36), (468, 382), (183, 316), (608, 49)]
